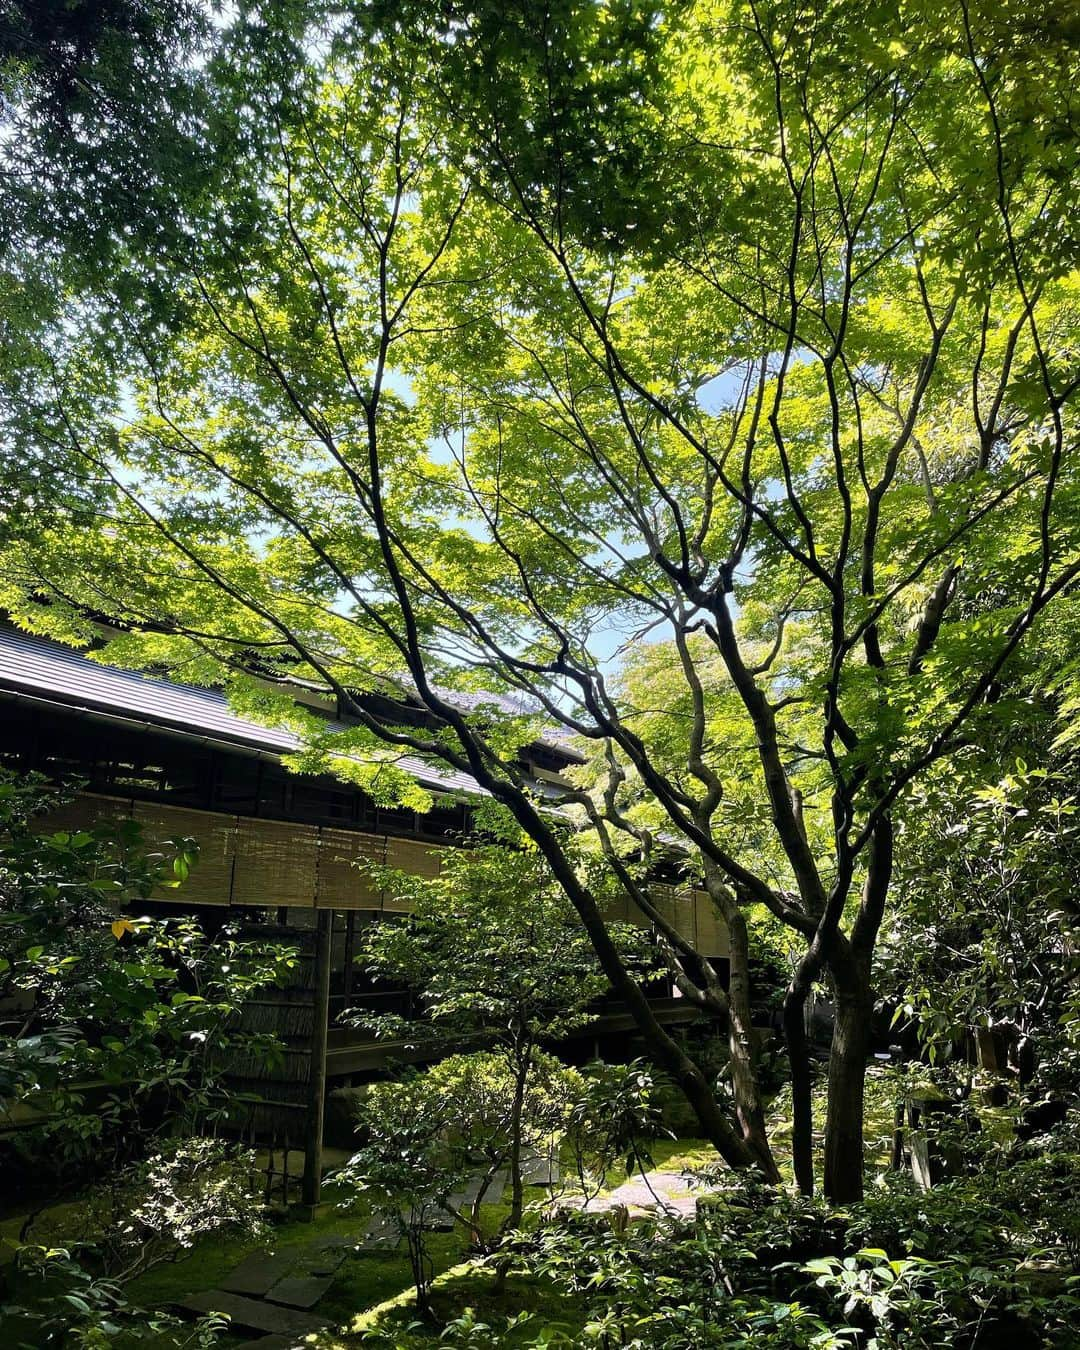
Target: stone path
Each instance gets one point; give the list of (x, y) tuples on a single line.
[(257, 1274), (668, 1192), (274, 1292), (276, 1342), (541, 1169), (382, 1233), (255, 1314)]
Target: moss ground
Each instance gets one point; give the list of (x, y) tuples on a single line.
[(393, 1324), (372, 1298)]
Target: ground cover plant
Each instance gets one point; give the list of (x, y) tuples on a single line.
[(963, 1265), (986, 1259)]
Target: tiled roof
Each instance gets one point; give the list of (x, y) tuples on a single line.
[(555, 737), (37, 667)]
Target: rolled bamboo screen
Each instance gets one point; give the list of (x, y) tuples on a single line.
[(262, 863), (693, 915), (276, 863), (211, 879), (712, 933), (340, 876), (270, 863)]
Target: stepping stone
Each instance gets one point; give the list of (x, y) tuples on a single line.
[(259, 1272), (252, 1314), (669, 1192), (540, 1171), (320, 1263), (380, 1236), (333, 1242), (300, 1291), (440, 1221), (494, 1192)]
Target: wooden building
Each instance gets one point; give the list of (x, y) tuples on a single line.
[(277, 849)]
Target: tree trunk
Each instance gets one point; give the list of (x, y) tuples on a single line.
[(473, 1214), (849, 965), (847, 1078), (750, 1110), (802, 1091), (421, 1268), (664, 1050), (735, 1151), (743, 1050), (517, 1189)]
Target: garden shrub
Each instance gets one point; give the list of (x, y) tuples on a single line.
[(53, 1300), (978, 1263), (152, 1211)]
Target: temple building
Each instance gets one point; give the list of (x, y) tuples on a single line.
[(278, 851)]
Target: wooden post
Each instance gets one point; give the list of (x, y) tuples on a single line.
[(350, 954), (929, 1162), (988, 1050), (896, 1160), (317, 1073)]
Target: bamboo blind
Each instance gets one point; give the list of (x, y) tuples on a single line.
[(276, 863), (691, 913), (268, 863), (712, 933), (622, 910), (83, 811), (340, 879), (262, 863), (415, 857), (210, 880)]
